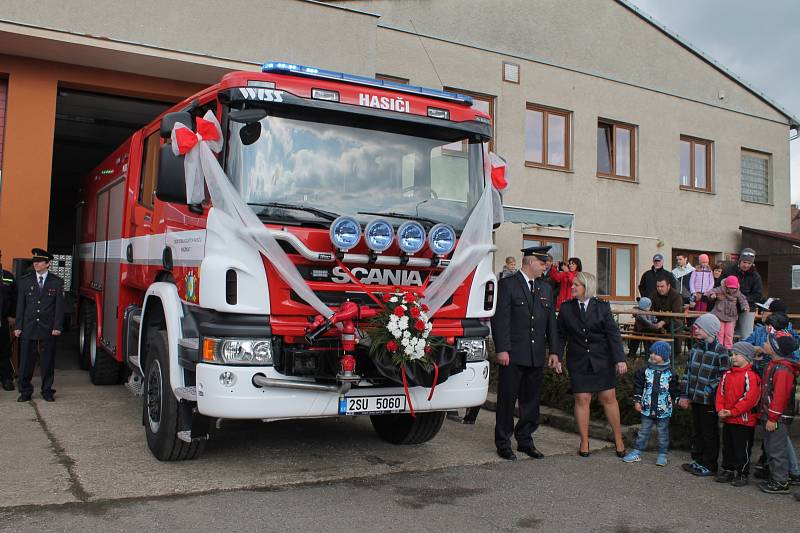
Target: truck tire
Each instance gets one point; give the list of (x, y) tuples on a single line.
[(160, 407), (86, 326), (401, 428), (103, 368)]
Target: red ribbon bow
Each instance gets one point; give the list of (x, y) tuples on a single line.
[(187, 139)]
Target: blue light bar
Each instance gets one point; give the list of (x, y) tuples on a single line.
[(313, 72)]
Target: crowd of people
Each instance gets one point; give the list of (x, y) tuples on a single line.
[(739, 374)]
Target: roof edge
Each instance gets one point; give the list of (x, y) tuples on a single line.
[(788, 237), (793, 121)]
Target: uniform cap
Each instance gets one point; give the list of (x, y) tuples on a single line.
[(41, 255), (540, 252)]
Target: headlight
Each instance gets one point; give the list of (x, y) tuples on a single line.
[(411, 237), (379, 235), (345, 233), (237, 351), (442, 239), (475, 348)]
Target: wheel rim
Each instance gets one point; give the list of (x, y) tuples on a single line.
[(154, 397)]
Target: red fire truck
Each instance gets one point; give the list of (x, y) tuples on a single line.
[(365, 184)]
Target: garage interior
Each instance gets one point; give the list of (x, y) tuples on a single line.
[(88, 127)]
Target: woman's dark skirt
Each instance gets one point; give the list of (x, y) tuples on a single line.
[(584, 377)]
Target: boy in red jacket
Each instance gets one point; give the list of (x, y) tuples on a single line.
[(738, 396), (777, 409)]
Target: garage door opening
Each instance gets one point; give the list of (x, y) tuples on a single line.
[(89, 126)]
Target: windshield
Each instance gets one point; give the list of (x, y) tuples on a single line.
[(333, 169)]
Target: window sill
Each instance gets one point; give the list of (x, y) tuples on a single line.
[(769, 204), (617, 178), (691, 189), (548, 167)]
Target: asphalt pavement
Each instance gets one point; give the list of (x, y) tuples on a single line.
[(81, 464)]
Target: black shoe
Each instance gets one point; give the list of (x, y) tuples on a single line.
[(724, 476), (584, 454), (773, 487), (794, 480), (739, 480), (8, 385), (621, 454), (468, 421), (48, 397), (531, 451), (24, 398), (507, 454)]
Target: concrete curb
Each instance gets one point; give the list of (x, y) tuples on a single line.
[(558, 419)]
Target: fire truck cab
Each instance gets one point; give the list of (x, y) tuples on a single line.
[(174, 301)]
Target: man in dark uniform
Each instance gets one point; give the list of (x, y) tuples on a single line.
[(524, 332), (8, 309), (40, 315)]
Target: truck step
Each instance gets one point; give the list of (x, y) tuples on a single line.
[(135, 384), (186, 393)]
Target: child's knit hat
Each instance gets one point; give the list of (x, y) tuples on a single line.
[(708, 323), (732, 282), (645, 303), (782, 343), (703, 258), (661, 348), (745, 349)]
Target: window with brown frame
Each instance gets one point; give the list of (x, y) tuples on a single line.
[(695, 164), (547, 137), (756, 176), (616, 150), (150, 157), (395, 79), (616, 271), (481, 102)]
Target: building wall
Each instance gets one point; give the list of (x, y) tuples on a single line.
[(653, 213), (28, 149), (244, 30)]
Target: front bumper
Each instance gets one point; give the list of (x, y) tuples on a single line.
[(243, 400)]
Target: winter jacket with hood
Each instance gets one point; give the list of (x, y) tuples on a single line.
[(726, 306), (707, 361), (656, 388), (683, 276), (777, 391), (739, 391), (749, 283)]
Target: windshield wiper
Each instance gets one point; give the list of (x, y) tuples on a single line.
[(401, 215), (327, 215)]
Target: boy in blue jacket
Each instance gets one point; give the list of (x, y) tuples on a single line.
[(655, 388)]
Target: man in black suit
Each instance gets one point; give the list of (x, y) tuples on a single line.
[(524, 332), (40, 315)]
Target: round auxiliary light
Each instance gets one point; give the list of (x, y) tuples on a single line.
[(411, 237), (442, 239), (379, 235), (345, 233)]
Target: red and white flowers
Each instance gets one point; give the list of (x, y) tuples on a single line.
[(403, 328)]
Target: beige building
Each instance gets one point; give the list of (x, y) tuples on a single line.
[(629, 141)]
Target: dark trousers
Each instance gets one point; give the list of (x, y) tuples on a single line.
[(737, 447), (472, 413), (27, 361), (523, 383), (705, 449), (6, 370), (775, 444), (633, 346)]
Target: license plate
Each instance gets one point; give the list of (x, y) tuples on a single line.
[(371, 405)]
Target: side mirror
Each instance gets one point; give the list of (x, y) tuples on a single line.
[(171, 186), (169, 120)]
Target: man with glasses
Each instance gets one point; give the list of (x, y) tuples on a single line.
[(8, 308), (40, 314)]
